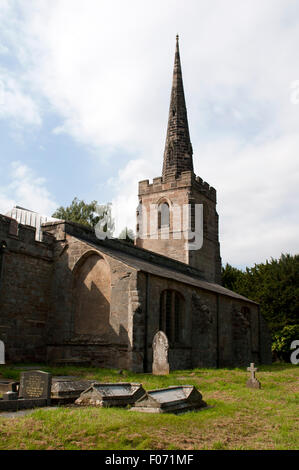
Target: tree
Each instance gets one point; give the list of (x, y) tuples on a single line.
[(79, 212), (230, 276), (282, 341), (127, 234), (275, 286)]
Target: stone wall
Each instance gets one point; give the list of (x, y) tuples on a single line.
[(25, 282), (73, 298), (92, 296), (215, 332), (183, 190)]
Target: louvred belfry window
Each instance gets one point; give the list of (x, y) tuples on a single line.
[(163, 215)]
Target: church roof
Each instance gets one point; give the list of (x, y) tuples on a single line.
[(178, 149)]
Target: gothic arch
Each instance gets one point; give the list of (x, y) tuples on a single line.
[(164, 212), (91, 295)]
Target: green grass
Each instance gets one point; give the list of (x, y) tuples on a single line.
[(238, 417)]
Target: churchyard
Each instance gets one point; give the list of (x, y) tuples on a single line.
[(237, 417)]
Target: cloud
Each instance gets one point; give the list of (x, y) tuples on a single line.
[(15, 104), (27, 190), (257, 198), (105, 69), (125, 185)]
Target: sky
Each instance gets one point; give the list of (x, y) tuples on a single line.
[(84, 98)]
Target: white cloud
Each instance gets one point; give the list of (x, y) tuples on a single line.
[(15, 104), (105, 68), (125, 186), (27, 190), (257, 197)]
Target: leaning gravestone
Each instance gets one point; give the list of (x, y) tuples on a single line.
[(35, 384), (175, 399), (2, 353), (252, 382), (111, 394), (160, 354)]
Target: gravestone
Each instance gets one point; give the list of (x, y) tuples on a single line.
[(175, 399), (252, 382), (2, 353), (10, 396), (8, 386), (111, 394), (35, 384), (160, 354), (67, 389), (34, 392)]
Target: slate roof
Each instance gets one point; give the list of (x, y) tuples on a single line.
[(164, 271)]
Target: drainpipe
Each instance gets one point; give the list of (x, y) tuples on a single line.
[(3, 247), (217, 332)]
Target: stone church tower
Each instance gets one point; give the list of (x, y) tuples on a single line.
[(177, 191)]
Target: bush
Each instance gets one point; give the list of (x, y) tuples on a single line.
[(281, 346)]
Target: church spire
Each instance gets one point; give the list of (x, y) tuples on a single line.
[(178, 149)]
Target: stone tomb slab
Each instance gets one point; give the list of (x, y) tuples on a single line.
[(175, 399), (111, 394), (67, 389), (8, 386)]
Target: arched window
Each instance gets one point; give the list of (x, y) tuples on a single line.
[(246, 312), (163, 215), (171, 315)]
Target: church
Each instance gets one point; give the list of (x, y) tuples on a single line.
[(67, 296)]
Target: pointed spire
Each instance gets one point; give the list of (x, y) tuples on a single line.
[(178, 149)]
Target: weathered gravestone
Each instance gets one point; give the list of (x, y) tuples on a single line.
[(111, 394), (2, 352), (35, 384), (176, 399), (34, 391), (252, 382), (67, 389), (160, 354)]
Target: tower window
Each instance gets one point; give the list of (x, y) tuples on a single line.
[(171, 315), (163, 215)]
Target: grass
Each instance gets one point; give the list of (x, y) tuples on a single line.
[(238, 417)]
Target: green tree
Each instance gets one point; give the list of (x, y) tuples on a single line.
[(127, 234), (275, 286), (79, 212), (230, 276), (282, 341)]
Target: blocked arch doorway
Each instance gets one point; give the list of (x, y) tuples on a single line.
[(91, 294)]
